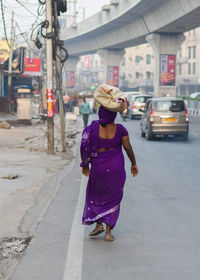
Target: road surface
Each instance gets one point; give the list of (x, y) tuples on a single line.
[(157, 235)]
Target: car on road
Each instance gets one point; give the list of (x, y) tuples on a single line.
[(130, 94), (136, 103), (165, 116), (195, 95)]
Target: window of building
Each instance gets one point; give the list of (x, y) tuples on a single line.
[(194, 52), (148, 59), (137, 59), (148, 75), (180, 69), (189, 68), (189, 52), (194, 68), (123, 62), (137, 75), (180, 52)]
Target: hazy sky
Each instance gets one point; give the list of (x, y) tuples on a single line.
[(25, 18)]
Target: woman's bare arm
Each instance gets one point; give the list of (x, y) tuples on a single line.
[(128, 148)]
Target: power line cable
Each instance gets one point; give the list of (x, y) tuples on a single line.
[(25, 7), (22, 33), (4, 24), (9, 10)]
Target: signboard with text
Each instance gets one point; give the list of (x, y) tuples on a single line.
[(32, 66), (167, 70), (70, 79), (113, 76)]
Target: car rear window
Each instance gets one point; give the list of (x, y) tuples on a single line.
[(142, 99), (169, 106)]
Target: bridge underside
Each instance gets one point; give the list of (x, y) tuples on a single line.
[(132, 27)]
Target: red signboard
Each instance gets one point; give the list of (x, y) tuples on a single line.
[(32, 65), (50, 103), (113, 76), (70, 77), (86, 61), (167, 70)]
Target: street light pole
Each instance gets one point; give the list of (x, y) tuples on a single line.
[(49, 63)]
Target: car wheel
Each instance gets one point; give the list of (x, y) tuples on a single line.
[(149, 135)]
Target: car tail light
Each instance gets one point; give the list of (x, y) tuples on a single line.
[(186, 116), (151, 116), (133, 106)]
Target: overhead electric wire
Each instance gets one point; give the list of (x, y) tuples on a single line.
[(25, 7), (4, 24), (22, 33), (9, 10)]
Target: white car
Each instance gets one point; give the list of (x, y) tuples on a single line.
[(136, 103), (195, 95)]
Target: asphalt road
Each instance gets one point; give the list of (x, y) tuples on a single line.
[(157, 235)]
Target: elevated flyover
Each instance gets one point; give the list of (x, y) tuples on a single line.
[(128, 23)]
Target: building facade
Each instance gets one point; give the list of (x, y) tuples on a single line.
[(137, 66), (136, 69)]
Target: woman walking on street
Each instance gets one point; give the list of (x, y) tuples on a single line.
[(101, 146), (85, 111)]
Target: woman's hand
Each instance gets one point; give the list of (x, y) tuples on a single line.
[(86, 171), (134, 170)]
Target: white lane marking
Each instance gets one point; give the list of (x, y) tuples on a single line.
[(73, 265)]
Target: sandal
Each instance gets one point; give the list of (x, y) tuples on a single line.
[(98, 230), (109, 237)]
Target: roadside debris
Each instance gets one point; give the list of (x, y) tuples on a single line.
[(39, 143), (13, 247), (5, 125), (10, 176)]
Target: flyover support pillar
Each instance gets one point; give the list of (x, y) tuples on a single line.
[(165, 47), (111, 61), (70, 70)]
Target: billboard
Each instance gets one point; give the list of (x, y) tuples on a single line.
[(32, 66), (167, 70), (70, 79), (113, 76), (86, 61)]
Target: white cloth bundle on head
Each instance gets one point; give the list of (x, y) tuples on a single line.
[(110, 98)]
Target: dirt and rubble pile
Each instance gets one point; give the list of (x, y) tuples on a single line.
[(13, 247), (39, 143), (5, 125)]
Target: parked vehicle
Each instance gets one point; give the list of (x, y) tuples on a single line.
[(136, 103), (195, 95), (165, 116)]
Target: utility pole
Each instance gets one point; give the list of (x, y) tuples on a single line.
[(10, 63), (49, 63), (59, 77)]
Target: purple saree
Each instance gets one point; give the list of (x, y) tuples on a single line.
[(107, 175)]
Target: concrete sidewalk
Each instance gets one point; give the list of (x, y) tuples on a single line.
[(25, 199)]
